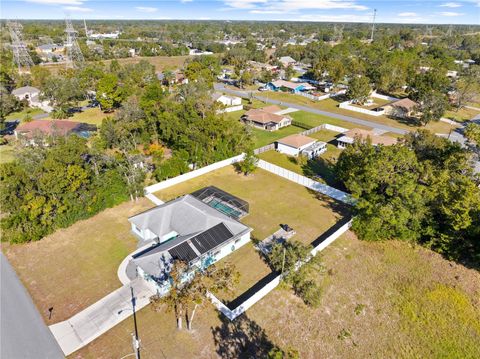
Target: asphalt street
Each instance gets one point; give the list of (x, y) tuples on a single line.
[(23, 334)]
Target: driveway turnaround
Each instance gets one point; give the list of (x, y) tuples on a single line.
[(89, 324), (23, 333)]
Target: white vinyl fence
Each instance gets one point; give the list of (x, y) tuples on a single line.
[(335, 128), (264, 149), (383, 97), (306, 182), (314, 98), (231, 109), (189, 175), (348, 106), (267, 288)]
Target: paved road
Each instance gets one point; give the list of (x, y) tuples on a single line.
[(23, 333), (350, 119)]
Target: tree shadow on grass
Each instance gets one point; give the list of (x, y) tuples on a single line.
[(241, 338), (335, 206)]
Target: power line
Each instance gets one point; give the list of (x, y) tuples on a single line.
[(373, 23), (20, 53), (74, 54)]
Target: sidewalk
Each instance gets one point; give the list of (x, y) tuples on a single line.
[(89, 324)]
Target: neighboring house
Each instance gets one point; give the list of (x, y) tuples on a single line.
[(194, 228), (298, 144), (287, 61), (50, 48), (349, 137), (28, 130), (267, 118), (227, 100), (404, 108), (178, 78), (196, 52), (32, 95), (294, 87)]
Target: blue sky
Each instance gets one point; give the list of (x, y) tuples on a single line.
[(398, 11)]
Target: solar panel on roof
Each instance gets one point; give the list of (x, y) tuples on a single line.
[(183, 252), (211, 238)]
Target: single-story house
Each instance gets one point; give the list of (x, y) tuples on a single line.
[(298, 144), (28, 93), (349, 137), (404, 108), (227, 100), (32, 95), (193, 228), (267, 118), (287, 61), (295, 87), (28, 130)]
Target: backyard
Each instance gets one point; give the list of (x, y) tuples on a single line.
[(74, 267), (92, 116)]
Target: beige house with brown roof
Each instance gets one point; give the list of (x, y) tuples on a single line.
[(349, 137), (404, 108), (267, 118), (298, 144)]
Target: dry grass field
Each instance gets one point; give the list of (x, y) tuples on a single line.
[(380, 300), (160, 62)]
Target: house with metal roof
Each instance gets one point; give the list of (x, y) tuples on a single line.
[(199, 229)]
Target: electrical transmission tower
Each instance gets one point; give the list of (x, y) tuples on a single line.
[(20, 53), (74, 54), (428, 31), (338, 33), (449, 32), (373, 24)]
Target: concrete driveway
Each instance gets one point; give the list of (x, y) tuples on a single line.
[(89, 324)]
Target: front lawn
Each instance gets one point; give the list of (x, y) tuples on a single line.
[(312, 119), (462, 115), (331, 105), (75, 267)]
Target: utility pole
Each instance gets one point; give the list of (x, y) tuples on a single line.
[(373, 24), (283, 260), (136, 341), (20, 54), (74, 54)]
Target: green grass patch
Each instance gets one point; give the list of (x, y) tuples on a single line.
[(92, 116), (331, 105), (441, 322), (24, 113), (462, 115), (263, 137), (7, 153)]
